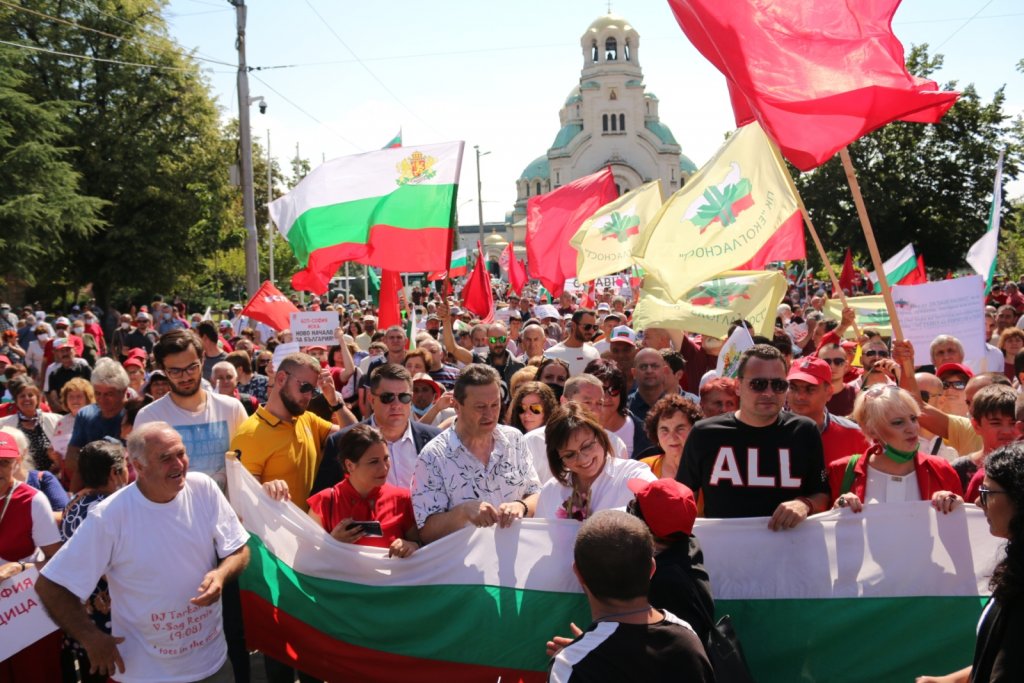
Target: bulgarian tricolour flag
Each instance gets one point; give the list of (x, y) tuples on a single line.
[(392, 208), (898, 267), (884, 595), (458, 267)]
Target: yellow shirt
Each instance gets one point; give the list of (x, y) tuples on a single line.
[(274, 449), (961, 435)]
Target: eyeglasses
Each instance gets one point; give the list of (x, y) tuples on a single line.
[(389, 397), (985, 492), (304, 387), (881, 353), (611, 391), (586, 327), (959, 385), (497, 340), (761, 384), (535, 408), (590, 448), (181, 372), (834, 361)]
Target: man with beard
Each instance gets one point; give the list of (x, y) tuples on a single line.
[(577, 350)]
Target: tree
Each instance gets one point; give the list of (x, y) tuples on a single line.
[(146, 137), (926, 184), (41, 207)]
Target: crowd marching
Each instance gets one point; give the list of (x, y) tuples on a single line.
[(114, 429)]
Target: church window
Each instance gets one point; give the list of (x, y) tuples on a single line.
[(622, 122), (614, 122), (593, 51), (558, 178), (611, 50), (626, 50), (604, 122), (538, 187)]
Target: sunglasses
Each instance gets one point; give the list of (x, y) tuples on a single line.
[(588, 326), (760, 384), (611, 391), (535, 408), (497, 340), (834, 361), (958, 385), (304, 387), (985, 492), (389, 397), (876, 352)]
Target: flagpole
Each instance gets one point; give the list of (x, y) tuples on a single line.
[(869, 235)]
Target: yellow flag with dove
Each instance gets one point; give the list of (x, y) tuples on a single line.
[(604, 243)]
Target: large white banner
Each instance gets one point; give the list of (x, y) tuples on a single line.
[(953, 307), (23, 620)]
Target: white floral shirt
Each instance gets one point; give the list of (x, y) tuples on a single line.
[(448, 474)]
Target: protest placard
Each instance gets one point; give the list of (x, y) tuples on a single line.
[(281, 351), (23, 620), (951, 307), (310, 328)]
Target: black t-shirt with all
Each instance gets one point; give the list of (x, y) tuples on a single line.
[(747, 471), (612, 652)]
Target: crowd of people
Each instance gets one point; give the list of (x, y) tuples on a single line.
[(113, 438)]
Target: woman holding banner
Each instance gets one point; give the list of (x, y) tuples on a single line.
[(997, 654)]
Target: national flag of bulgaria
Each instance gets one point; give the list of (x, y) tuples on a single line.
[(458, 267), (392, 209), (722, 217), (982, 255), (395, 141), (899, 581), (897, 268)]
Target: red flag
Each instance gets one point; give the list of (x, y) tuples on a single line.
[(846, 277), (918, 276), (787, 244), (389, 313), (516, 271), (949, 274), (436, 275), (476, 295), (817, 74), (270, 306), (553, 218)]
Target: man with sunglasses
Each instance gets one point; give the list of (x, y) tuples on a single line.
[(498, 356), (391, 388), (810, 388), (758, 461), (576, 350)]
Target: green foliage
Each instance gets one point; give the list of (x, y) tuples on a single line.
[(41, 207), (926, 184)]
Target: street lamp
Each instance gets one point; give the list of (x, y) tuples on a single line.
[(479, 202)]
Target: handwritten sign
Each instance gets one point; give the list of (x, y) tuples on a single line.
[(23, 620), (280, 352), (314, 328), (945, 307)]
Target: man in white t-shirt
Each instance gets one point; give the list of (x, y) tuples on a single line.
[(577, 350), (152, 541), (205, 420)]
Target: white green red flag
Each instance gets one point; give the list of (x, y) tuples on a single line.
[(982, 255), (395, 141), (392, 209), (898, 581), (457, 267), (897, 268)]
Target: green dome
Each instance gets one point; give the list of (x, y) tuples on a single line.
[(566, 135), (685, 165), (538, 168), (662, 131), (574, 96)]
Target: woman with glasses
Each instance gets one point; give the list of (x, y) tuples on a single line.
[(532, 405), (363, 508), (668, 424), (586, 476), (615, 414), (892, 470), (1000, 632)]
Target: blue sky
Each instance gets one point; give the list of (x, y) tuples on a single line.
[(496, 73)]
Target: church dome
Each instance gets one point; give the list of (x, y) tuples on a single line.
[(574, 96), (609, 21), (538, 168)]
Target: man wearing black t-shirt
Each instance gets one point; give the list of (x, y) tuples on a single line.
[(758, 461), (628, 640)]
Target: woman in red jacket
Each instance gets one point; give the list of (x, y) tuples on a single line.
[(892, 470)]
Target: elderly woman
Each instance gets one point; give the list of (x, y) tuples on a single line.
[(531, 406), (365, 496), (28, 527), (587, 477), (36, 425), (892, 470), (104, 470), (668, 424), (1011, 341), (248, 382), (615, 415), (1001, 628)]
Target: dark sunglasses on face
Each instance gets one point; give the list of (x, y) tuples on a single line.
[(611, 391), (535, 408), (304, 387), (834, 361), (497, 340), (760, 384), (389, 397), (959, 385), (588, 327), (881, 353)]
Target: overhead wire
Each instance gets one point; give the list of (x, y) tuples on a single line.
[(38, 48), (961, 26), (306, 113)]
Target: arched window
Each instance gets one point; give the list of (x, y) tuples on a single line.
[(618, 189), (604, 122), (611, 50), (626, 50), (538, 187), (614, 122), (593, 51), (622, 122)]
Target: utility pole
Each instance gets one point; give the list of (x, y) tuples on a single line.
[(479, 186), (270, 223), (252, 264)]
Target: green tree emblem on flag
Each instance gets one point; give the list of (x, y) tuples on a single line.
[(720, 203), (620, 227), (718, 293)]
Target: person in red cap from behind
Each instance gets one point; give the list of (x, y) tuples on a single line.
[(810, 389), (680, 583)]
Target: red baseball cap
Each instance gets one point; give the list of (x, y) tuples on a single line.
[(8, 447), (133, 361), (668, 506), (812, 370), (4, 359), (954, 367)]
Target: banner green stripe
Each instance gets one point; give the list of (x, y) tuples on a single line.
[(508, 626), (856, 639), (409, 207)]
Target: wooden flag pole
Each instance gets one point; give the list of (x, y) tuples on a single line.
[(869, 235)]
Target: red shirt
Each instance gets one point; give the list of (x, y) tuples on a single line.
[(389, 505), (841, 438), (16, 540), (933, 474)]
